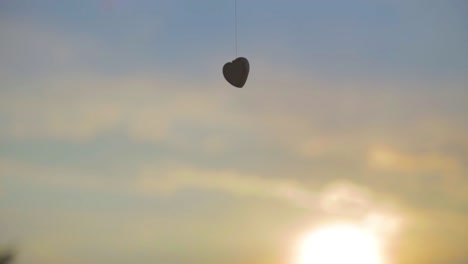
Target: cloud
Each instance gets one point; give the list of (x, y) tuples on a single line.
[(56, 178), (332, 147), (386, 158), (155, 181), (336, 199), (30, 47), (433, 237), (407, 230), (82, 109), (145, 108), (429, 179), (317, 147), (322, 117)]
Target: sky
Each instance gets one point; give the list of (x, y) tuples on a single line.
[(121, 142)]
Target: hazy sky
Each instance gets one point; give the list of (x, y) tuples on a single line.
[(120, 141)]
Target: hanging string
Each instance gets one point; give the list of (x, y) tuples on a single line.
[(235, 23)]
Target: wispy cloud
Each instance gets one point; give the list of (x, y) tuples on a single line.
[(134, 141), (386, 158)]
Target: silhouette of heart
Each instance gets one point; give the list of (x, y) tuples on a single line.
[(237, 71)]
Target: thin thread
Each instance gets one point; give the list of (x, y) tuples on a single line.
[(235, 23)]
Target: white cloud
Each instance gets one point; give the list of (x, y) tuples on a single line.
[(156, 181), (339, 199), (336, 199)]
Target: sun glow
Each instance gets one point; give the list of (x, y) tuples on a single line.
[(340, 244)]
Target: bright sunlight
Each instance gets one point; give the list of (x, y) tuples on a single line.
[(340, 244)]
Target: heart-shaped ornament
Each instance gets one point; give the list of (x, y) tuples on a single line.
[(237, 71)]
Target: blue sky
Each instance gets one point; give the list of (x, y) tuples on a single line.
[(121, 142)]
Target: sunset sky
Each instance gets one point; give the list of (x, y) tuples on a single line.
[(121, 142)]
